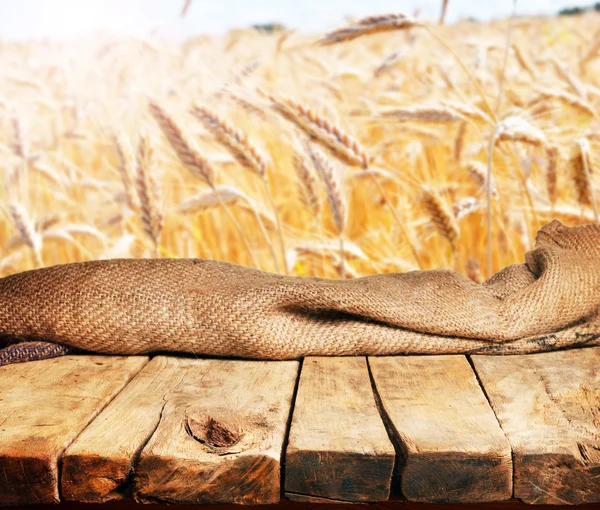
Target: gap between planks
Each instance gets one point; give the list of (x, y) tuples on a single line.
[(214, 431), (26, 391), (450, 446)]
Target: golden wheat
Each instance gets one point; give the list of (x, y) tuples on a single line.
[(148, 192), (442, 216), (370, 25), (187, 154), (322, 130), (69, 191)]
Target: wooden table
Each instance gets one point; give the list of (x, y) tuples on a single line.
[(500, 431)]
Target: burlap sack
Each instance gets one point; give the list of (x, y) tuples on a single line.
[(213, 308)]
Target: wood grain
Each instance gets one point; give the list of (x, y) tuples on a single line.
[(44, 405), (100, 461), (220, 436), (549, 406), (451, 446), (338, 447)]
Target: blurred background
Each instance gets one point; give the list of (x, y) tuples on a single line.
[(24, 19), (287, 136)]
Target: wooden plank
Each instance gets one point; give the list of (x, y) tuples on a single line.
[(451, 446), (220, 436), (100, 461), (44, 405), (338, 447), (549, 406)]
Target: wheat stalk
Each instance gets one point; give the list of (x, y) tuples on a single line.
[(246, 153), (186, 152), (465, 207), (148, 192), (340, 144), (331, 179), (370, 25), (474, 271), (308, 184), (552, 158), (26, 229), (575, 84), (244, 72), (459, 140), (194, 163), (351, 250), (466, 110), (478, 173), (513, 129), (443, 12), (427, 114), (337, 204), (234, 139), (571, 100), (590, 54), (209, 200), (321, 130), (441, 216), (524, 61), (19, 144), (517, 129), (124, 171), (581, 175)]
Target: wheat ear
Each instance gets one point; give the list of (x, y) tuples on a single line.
[(19, 145), (474, 271), (443, 12), (249, 157), (148, 192), (124, 171), (524, 61), (478, 173), (441, 216), (26, 230), (515, 129), (567, 75), (234, 139), (459, 140), (341, 145), (321, 130), (581, 174), (195, 164), (465, 207), (308, 184), (571, 100), (330, 178), (427, 114), (186, 152), (590, 54), (370, 25), (552, 159)]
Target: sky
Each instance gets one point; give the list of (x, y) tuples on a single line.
[(66, 19)]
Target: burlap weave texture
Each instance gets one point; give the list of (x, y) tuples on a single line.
[(132, 306)]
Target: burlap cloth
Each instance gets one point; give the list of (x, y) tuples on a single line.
[(213, 308)]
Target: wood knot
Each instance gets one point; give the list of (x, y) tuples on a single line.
[(214, 432)]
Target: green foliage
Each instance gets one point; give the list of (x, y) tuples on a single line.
[(571, 11), (269, 28)]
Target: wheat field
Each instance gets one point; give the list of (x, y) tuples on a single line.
[(362, 151)]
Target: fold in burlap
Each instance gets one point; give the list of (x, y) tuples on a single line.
[(213, 308)]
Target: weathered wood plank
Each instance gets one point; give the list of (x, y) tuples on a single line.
[(220, 436), (44, 405), (338, 447), (101, 459), (452, 449), (549, 406)]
